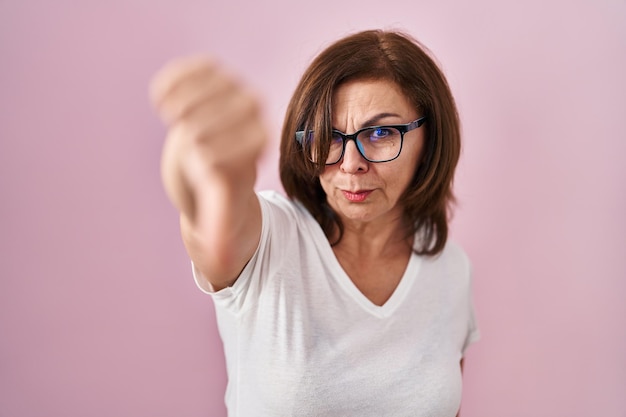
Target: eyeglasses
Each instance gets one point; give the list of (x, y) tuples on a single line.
[(374, 143)]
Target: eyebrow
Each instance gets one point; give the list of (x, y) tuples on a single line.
[(375, 120)]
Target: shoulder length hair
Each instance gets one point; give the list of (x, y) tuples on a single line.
[(386, 55)]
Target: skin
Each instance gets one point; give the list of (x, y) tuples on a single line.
[(365, 195), (216, 136)]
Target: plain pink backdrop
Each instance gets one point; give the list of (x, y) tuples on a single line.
[(99, 315)]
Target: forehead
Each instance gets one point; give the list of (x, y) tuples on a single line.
[(362, 99)]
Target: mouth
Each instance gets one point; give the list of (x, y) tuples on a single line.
[(356, 196)]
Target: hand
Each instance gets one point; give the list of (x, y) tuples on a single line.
[(216, 134)]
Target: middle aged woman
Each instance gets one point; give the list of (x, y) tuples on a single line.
[(344, 298)]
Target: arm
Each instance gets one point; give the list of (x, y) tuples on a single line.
[(209, 164)]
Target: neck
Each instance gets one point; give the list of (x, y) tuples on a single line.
[(374, 239)]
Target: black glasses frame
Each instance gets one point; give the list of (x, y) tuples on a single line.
[(402, 128)]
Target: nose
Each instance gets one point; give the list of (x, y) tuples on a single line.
[(352, 160)]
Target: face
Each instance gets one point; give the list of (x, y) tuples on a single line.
[(358, 190)]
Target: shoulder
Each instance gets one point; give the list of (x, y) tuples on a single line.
[(274, 197), (452, 260), (453, 252), (274, 204), (273, 200), (284, 218)]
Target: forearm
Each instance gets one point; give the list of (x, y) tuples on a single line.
[(225, 234)]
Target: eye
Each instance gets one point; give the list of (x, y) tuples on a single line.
[(380, 133)]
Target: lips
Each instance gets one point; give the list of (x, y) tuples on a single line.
[(356, 196)]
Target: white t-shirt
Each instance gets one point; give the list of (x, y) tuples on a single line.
[(301, 340)]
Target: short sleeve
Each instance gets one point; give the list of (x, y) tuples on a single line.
[(277, 222), (201, 281)]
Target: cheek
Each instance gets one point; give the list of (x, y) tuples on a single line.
[(398, 180), (415, 157), (415, 149)]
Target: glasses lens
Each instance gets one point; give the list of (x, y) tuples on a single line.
[(336, 148), (380, 143), (334, 151)]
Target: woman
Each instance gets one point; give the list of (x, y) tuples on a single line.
[(345, 297)]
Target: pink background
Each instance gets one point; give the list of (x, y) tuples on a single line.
[(98, 312)]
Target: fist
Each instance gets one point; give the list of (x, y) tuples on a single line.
[(216, 133)]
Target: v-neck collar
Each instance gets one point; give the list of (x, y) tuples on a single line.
[(339, 275), (397, 297)]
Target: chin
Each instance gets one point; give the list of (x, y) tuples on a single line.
[(357, 214)]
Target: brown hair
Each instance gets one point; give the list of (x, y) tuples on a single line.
[(391, 56)]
